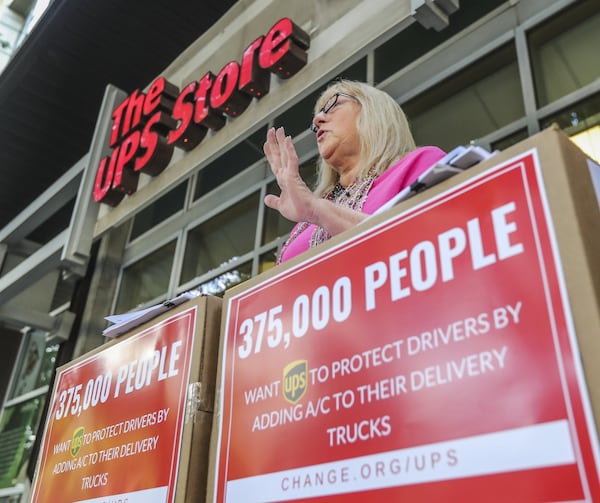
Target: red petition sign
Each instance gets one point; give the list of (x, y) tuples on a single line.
[(114, 427), (430, 358)]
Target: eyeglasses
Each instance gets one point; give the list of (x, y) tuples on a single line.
[(329, 104)]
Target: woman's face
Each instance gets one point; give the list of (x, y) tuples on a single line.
[(337, 134)]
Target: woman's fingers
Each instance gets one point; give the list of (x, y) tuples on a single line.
[(272, 201), (275, 149), (270, 149), (280, 153), (280, 142), (291, 154)]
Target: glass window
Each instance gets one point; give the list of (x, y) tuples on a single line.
[(473, 103), (217, 286), (215, 242), (147, 279), (17, 435), (12, 341), (158, 211), (267, 261), (37, 364), (564, 51), (414, 41), (232, 162), (13, 498), (510, 140), (275, 225), (20, 419), (358, 71), (581, 122)]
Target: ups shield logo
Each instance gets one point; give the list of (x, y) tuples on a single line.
[(77, 440), (295, 380)]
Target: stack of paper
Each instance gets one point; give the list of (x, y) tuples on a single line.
[(452, 163), (122, 323)]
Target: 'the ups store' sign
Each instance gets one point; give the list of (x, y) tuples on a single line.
[(146, 127)]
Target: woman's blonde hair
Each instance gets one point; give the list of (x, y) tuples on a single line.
[(383, 129)]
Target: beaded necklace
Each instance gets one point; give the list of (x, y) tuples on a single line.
[(352, 197)]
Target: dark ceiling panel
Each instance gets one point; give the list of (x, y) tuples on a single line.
[(52, 89)]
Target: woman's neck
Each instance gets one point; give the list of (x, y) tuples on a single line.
[(348, 175)]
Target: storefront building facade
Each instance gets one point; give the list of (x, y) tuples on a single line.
[(491, 72)]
